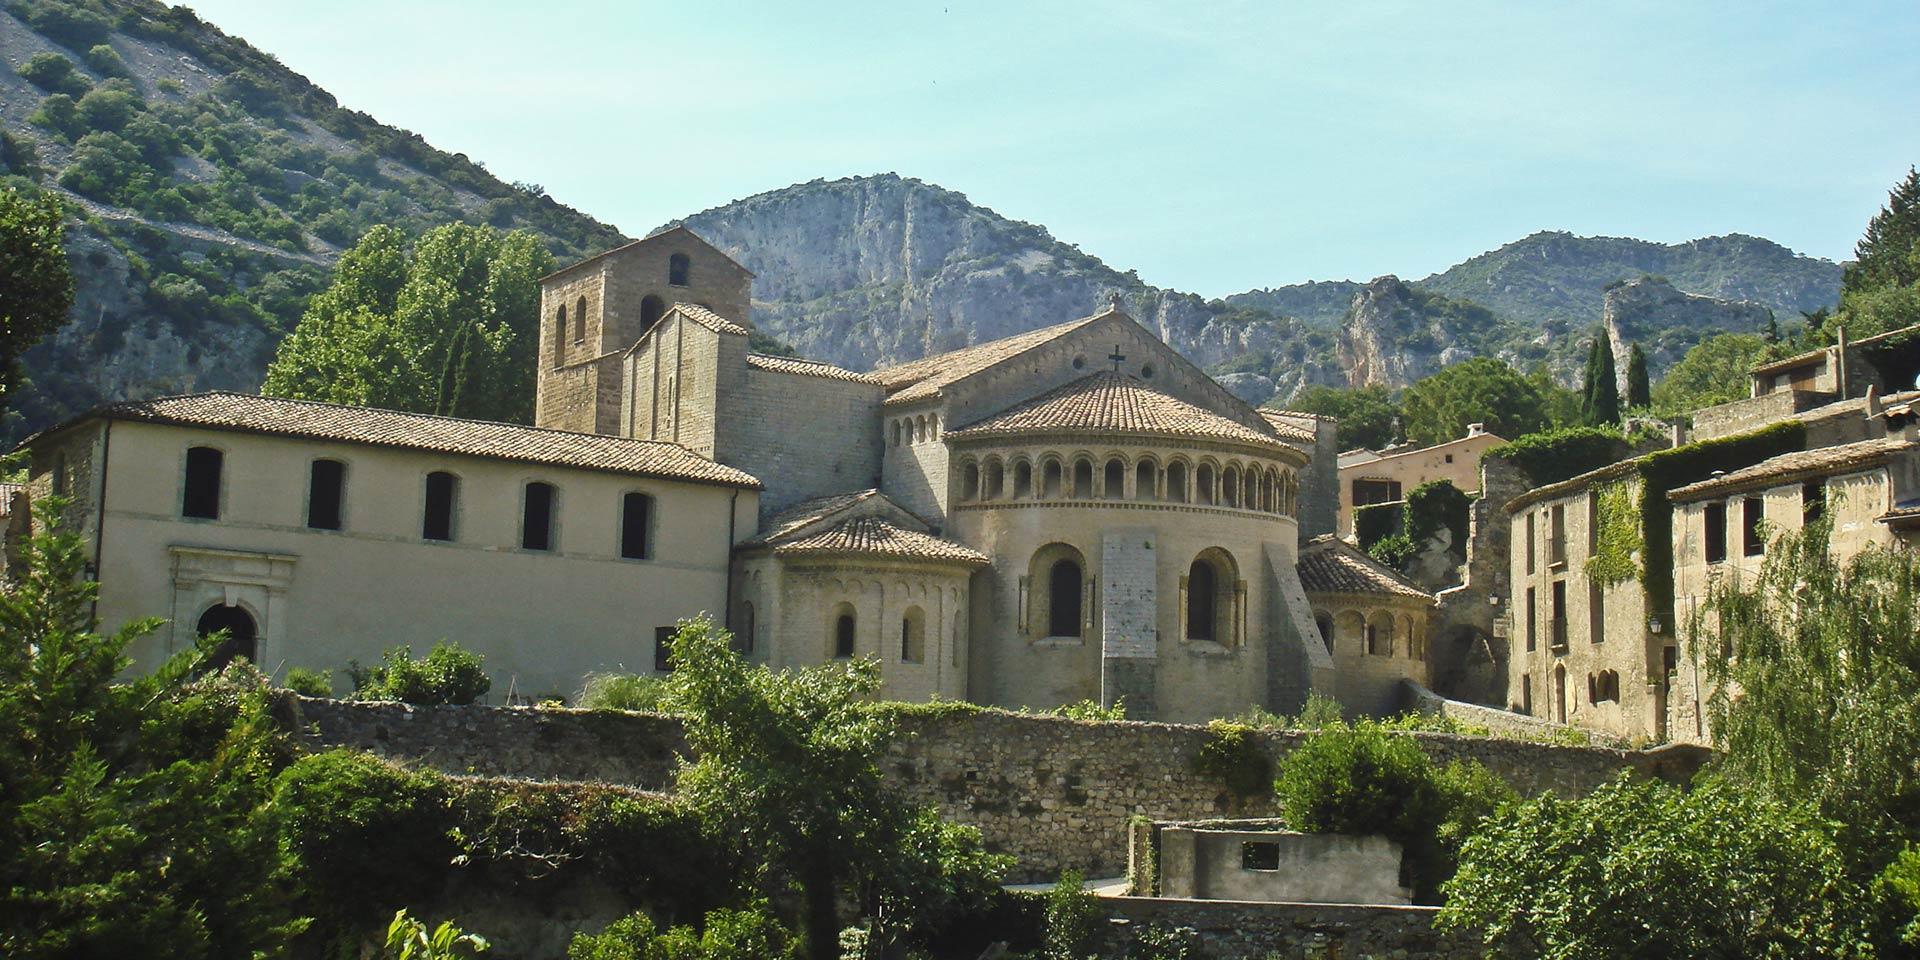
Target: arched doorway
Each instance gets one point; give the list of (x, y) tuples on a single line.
[(241, 634)]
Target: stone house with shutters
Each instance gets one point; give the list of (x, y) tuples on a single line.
[(1072, 513)]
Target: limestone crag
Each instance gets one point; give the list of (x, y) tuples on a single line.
[(1650, 311), (1387, 339)]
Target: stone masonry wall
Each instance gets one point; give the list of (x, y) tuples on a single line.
[(1241, 930), (1053, 792)]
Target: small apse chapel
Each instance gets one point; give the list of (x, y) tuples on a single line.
[(1076, 512)]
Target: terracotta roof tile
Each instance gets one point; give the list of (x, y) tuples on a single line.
[(1286, 430), (707, 318), (1820, 461), (923, 378), (806, 368), (1330, 565), (306, 419), (874, 536), (1114, 402), (787, 522)]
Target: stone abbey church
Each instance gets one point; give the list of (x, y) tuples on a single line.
[(1072, 513)]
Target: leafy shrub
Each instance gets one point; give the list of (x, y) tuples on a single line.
[(109, 106), (54, 73), (1233, 756), (1365, 780), (57, 113), (409, 939), (1073, 919), (723, 935), (446, 675), (1092, 710), (73, 27), (367, 834), (1394, 551), (1162, 942), (622, 691), (106, 62), (1551, 456), (1375, 522), (309, 683)]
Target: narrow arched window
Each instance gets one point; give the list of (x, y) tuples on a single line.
[(443, 490), (652, 308), (1115, 479), (1230, 486), (1203, 484), (1083, 479), (843, 633), (60, 474), (326, 489), (559, 331), (636, 513), (677, 269), (1022, 480), (996, 477), (580, 320), (743, 638), (1325, 623), (201, 499), (913, 636), (1063, 599), (1177, 482), (970, 481), (536, 517), (1201, 599), (1145, 476), (1050, 479)]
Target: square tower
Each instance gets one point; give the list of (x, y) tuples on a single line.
[(593, 311)]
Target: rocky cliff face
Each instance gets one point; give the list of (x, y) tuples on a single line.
[(1394, 334), (1666, 322)]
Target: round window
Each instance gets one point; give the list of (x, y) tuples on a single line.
[(1079, 363), (1146, 372)]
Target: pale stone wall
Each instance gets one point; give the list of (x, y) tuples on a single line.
[(803, 436), (567, 391), (1372, 682), (321, 598), (678, 375), (1240, 930), (1456, 461), (1205, 861), (914, 462)]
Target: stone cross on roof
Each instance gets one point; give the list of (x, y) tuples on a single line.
[(1114, 300), (1117, 357)]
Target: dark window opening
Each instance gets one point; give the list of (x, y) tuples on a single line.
[(1367, 492), (1526, 694), (536, 518), (241, 635), (743, 638), (441, 490), (1259, 855), (663, 649), (677, 268), (635, 509), (1669, 664), (202, 499), (1200, 601), (843, 637), (1559, 614), (325, 488), (1533, 619), (1325, 623), (1063, 599), (1115, 479), (60, 475), (1083, 480), (580, 320), (1813, 500), (652, 308), (1753, 510), (1716, 540), (1557, 535), (559, 331)]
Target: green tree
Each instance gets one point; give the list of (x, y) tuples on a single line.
[(447, 326), (788, 772), (1600, 391), (1880, 290), (1639, 386), (1481, 390), (1642, 869), (1713, 372), (134, 819), (36, 289), (1368, 416)]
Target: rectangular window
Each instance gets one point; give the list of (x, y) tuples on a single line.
[(1526, 694), (1259, 855), (1557, 536), (442, 490), (1559, 614), (1813, 500), (1533, 618), (1752, 511), (326, 486), (1596, 612), (663, 649), (635, 511), (1716, 533), (201, 499), (1529, 542), (536, 517)]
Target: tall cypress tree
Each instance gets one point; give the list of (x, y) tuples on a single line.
[(1600, 397), (1639, 386)]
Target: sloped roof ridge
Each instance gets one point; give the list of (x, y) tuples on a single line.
[(1108, 400), (622, 248), (965, 360)]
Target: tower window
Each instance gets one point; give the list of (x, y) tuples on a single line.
[(677, 269), (442, 490), (326, 486), (559, 329), (580, 320), (913, 636), (536, 517), (635, 512), (1063, 599), (202, 496), (652, 308)]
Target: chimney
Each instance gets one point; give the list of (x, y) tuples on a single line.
[(1476, 429)]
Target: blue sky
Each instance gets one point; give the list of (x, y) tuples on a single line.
[(1212, 147)]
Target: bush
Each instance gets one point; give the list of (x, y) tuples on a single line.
[(1555, 455), (1073, 919), (446, 675), (724, 935), (106, 62), (1233, 756), (1365, 780), (109, 106), (622, 691), (54, 73), (57, 113), (73, 27), (310, 683), (409, 939), (1092, 710)]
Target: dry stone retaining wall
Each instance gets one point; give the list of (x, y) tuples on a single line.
[(1053, 792), (1241, 930)]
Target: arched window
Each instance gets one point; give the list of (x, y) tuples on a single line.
[(1022, 480), (843, 625), (443, 489), (970, 481), (559, 332), (1115, 479), (326, 489), (920, 429), (1203, 491), (1146, 484), (536, 517), (743, 637), (1201, 596), (1560, 694), (1230, 485), (894, 440), (1050, 480), (201, 498), (580, 320), (1083, 479), (241, 636), (1405, 629), (1380, 635), (1063, 599), (913, 635), (677, 268), (1325, 623), (1350, 631), (636, 518), (996, 479), (652, 308), (1177, 482)]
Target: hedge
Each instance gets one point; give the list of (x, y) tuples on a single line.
[(1551, 456)]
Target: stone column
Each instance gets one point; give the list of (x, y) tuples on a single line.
[(1129, 611)]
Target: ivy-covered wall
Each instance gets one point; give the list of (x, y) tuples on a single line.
[(1555, 455)]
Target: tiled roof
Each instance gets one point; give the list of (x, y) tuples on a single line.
[(806, 368), (679, 228), (1821, 461), (874, 536), (1109, 401), (786, 522), (1287, 431), (923, 378), (1330, 565), (707, 318), (306, 419)]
